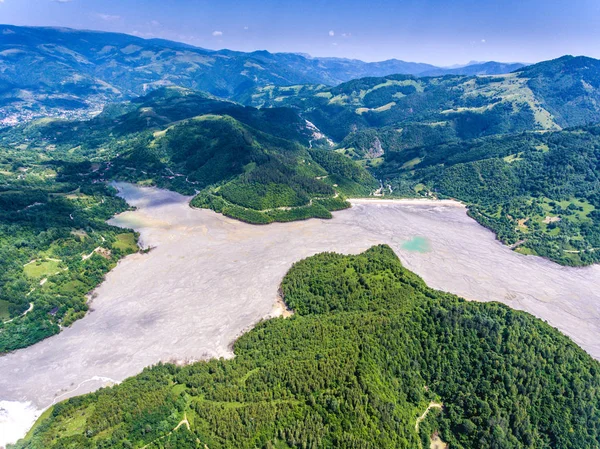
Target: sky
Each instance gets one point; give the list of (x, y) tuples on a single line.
[(440, 32)]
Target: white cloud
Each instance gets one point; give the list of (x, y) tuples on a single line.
[(483, 41), (346, 35), (62, 1), (154, 23), (217, 33), (334, 44), (107, 17), (332, 33)]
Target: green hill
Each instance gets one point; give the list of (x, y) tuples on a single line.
[(369, 350), (249, 164), (250, 175), (539, 193), (465, 107), (403, 111), (568, 87)]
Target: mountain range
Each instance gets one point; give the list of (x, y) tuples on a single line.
[(262, 138), (62, 71)]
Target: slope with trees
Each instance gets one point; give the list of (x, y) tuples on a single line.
[(539, 193), (369, 349)]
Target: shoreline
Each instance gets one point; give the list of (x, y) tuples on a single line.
[(409, 202), (352, 232)]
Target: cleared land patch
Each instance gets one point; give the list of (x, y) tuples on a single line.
[(42, 268)]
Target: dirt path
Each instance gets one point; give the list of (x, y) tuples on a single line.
[(424, 415), (183, 422), (87, 256), (517, 244), (24, 313)]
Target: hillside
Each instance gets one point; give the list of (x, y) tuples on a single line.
[(372, 358), (457, 107), (477, 68), (540, 193), (400, 111), (249, 164), (55, 245), (72, 73), (568, 87)]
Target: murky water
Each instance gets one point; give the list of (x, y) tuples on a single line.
[(210, 278)]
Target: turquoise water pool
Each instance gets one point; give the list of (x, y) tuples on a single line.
[(417, 244)]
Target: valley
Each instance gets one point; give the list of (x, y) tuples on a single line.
[(269, 250), (208, 279)]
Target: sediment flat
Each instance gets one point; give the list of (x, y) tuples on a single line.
[(209, 278)]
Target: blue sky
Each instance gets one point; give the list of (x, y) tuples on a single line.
[(441, 32)]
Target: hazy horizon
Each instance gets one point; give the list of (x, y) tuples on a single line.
[(305, 54), (429, 31)]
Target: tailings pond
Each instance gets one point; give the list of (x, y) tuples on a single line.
[(209, 278)]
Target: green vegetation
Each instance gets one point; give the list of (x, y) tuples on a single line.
[(568, 87), (254, 176), (248, 164), (4, 310), (403, 111), (41, 268), (55, 246), (52, 216), (125, 242), (368, 349), (537, 192)]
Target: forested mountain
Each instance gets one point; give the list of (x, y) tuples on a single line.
[(250, 164), (372, 358), (457, 107), (544, 96), (540, 192), (49, 71), (568, 87), (476, 68)]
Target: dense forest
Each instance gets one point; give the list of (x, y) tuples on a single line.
[(55, 245), (369, 349), (537, 192), (247, 163)]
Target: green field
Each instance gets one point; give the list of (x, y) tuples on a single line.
[(125, 242), (4, 315), (42, 268)]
